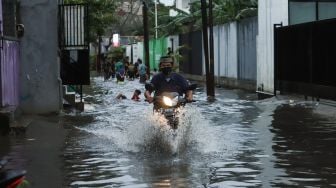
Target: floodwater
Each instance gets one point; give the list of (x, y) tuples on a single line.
[(236, 141)]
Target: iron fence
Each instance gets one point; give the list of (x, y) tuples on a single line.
[(306, 59), (74, 43)]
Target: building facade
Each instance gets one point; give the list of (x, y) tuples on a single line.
[(283, 12), (9, 55), (40, 83)]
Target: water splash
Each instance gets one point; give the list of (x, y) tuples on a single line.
[(133, 127), (149, 133)]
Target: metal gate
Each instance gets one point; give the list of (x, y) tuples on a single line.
[(192, 54), (74, 44), (305, 59)]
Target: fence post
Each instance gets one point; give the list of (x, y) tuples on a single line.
[(209, 66), (275, 26)]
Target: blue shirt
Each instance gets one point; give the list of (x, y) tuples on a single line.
[(142, 69), (174, 83), (118, 66)]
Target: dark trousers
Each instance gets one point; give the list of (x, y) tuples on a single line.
[(143, 78)]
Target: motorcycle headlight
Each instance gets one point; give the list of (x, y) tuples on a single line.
[(168, 101)]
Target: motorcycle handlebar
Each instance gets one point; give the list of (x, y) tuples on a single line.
[(180, 100)]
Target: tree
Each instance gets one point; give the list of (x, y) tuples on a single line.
[(233, 10), (101, 16), (183, 22), (224, 11), (129, 19)]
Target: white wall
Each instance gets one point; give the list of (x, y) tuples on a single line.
[(40, 89), (135, 52), (225, 50), (128, 51), (183, 5), (175, 42), (269, 12), (140, 51)]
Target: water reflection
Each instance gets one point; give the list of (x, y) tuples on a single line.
[(213, 144), (170, 173), (304, 144), (232, 142)]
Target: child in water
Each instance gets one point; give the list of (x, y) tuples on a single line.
[(135, 96)]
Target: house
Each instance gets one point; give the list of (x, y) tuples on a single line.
[(9, 53), (9, 63), (30, 79), (284, 13), (40, 83)]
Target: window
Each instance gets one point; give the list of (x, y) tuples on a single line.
[(9, 17), (327, 10), (301, 11)]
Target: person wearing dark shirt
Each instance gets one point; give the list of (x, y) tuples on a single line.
[(168, 81), (131, 71)]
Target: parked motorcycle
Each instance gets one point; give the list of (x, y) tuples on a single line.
[(11, 178), (168, 104)]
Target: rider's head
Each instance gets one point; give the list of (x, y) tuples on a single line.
[(166, 64)]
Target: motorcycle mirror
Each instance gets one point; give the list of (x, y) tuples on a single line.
[(192, 86)]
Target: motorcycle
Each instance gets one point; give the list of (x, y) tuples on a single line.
[(11, 178), (168, 104)]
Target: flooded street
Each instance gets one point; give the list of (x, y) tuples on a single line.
[(236, 141)]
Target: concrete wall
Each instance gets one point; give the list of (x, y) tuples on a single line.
[(40, 84), (247, 51), (234, 56), (235, 49), (225, 50), (269, 12), (235, 53), (140, 51), (128, 51)]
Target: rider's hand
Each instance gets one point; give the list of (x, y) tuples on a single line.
[(150, 99)]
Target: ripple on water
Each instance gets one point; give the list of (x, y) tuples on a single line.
[(215, 144)]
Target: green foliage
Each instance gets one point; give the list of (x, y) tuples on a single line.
[(130, 21), (233, 10), (223, 11), (104, 16), (116, 54), (178, 58)]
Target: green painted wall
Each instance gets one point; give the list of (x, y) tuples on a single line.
[(157, 48)]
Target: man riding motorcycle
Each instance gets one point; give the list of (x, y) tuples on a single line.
[(168, 81)]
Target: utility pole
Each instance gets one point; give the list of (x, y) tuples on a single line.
[(156, 20), (209, 65), (98, 65), (146, 37), (211, 83)]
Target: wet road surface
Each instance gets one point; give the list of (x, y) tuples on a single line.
[(235, 141)]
